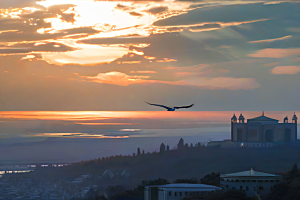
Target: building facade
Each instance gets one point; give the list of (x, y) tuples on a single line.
[(176, 191), (252, 182), (262, 130)]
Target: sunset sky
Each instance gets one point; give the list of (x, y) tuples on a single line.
[(91, 55)]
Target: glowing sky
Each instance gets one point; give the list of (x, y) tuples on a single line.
[(114, 55)]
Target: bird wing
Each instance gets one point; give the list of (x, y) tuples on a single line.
[(166, 107), (184, 106)]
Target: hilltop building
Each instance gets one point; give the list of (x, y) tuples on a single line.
[(252, 182), (262, 131), (176, 191)]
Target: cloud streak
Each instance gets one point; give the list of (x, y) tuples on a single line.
[(229, 83), (286, 70), (275, 53)]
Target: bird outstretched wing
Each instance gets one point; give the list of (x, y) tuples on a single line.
[(184, 106), (166, 107)]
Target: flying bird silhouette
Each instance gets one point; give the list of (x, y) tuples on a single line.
[(169, 108)]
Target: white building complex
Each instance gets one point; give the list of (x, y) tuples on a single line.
[(176, 191), (252, 182)]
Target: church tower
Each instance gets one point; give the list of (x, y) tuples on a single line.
[(241, 118), (286, 120), (294, 120), (233, 120)]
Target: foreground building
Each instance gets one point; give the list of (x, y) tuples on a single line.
[(252, 182), (176, 191), (263, 131)]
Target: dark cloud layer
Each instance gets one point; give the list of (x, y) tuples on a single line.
[(136, 14), (31, 47), (30, 34), (157, 10), (232, 13)]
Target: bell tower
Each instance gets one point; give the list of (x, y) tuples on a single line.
[(241, 118), (294, 120), (286, 120), (233, 121)]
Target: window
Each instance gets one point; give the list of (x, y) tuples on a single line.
[(254, 180), (236, 180), (243, 181), (260, 181), (247, 188), (170, 193), (277, 180), (233, 188), (266, 180), (180, 193), (175, 194), (261, 188), (254, 188), (226, 186), (271, 181), (241, 187)]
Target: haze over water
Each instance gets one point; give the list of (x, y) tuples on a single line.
[(69, 136)]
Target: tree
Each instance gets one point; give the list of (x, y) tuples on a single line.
[(211, 179), (114, 190), (138, 151), (90, 195), (168, 148), (159, 181), (192, 180), (180, 144), (294, 169), (186, 145), (191, 146)]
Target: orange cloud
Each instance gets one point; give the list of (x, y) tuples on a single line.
[(150, 57), (143, 72), (100, 124), (271, 40), (131, 62), (183, 73), (166, 60), (115, 78), (271, 64), (275, 53), (229, 83), (286, 70)]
